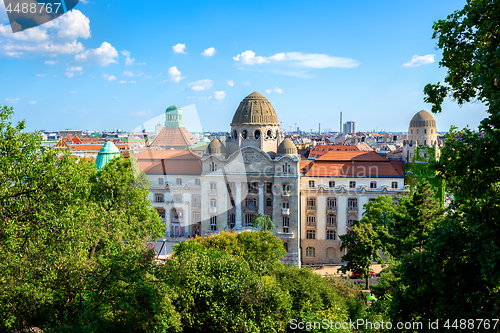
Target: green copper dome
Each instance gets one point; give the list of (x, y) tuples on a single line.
[(106, 154), (173, 116), (173, 107)]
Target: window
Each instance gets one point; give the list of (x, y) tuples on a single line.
[(213, 186), (373, 184), (286, 221), (371, 200), (178, 181), (269, 202), (253, 188), (311, 202), (196, 201), (352, 202), (425, 142), (244, 134), (311, 220), (213, 166), (197, 181), (331, 184), (285, 245), (248, 220), (269, 134), (159, 198), (213, 223), (311, 234), (331, 203), (286, 205), (411, 131), (310, 252), (269, 188), (330, 234), (350, 221), (432, 131), (352, 184), (161, 212), (394, 185), (213, 203), (235, 134), (196, 217), (256, 134), (286, 168), (417, 130), (251, 203), (232, 220), (425, 130), (161, 181), (178, 198), (311, 183), (331, 220), (286, 189)]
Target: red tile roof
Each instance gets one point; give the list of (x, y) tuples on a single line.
[(173, 162), (176, 137)]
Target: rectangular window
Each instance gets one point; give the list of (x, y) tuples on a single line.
[(178, 198), (311, 203), (178, 181), (352, 203), (330, 234), (286, 205), (196, 201), (310, 252), (311, 183), (311, 220), (286, 221), (311, 234), (331, 220), (248, 220), (196, 217), (213, 223), (286, 189), (331, 203), (331, 184), (269, 188), (197, 181), (352, 184), (213, 203), (161, 181), (213, 186), (285, 245), (394, 185)]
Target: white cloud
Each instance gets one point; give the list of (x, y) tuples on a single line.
[(108, 77), (310, 60), (201, 85), (116, 97), (128, 73), (133, 82), (52, 38), (420, 60), (102, 56), (175, 74), (51, 62), (72, 92), (12, 100), (268, 91), (129, 61), (33, 102), (220, 95), (209, 52), (74, 69), (122, 81), (245, 83), (231, 83), (278, 90), (141, 113), (148, 77), (70, 74), (179, 48), (41, 75)]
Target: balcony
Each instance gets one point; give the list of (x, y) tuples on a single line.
[(311, 224), (212, 210), (311, 208), (331, 224), (285, 235), (175, 220), (331, 209), (285, 211), (352, 209), (212, 193), (285, 194), (251, 209)]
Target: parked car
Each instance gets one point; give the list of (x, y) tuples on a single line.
[(358, 275)]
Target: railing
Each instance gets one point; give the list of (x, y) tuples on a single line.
[(212, 210), (331, 209), (285, 235), (331, 224), (285, 211), (251, 209), (285, 194), (352, 208), (311, 224), (212, 192), (311, 208), (175, 220)]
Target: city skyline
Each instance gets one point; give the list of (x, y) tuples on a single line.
[(96, 68)]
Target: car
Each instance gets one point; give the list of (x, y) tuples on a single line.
[(358, 275)]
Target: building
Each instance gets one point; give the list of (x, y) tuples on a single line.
[(350, 127), (257, 170), (422, 132), (174, 135)]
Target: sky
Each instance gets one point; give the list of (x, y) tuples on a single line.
[(118, 64)]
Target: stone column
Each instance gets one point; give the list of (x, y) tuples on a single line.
[(238, 205), (261, 198)]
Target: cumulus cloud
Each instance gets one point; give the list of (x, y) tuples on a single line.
[(128, 73), (209, 52), (268, 91), (122, 81), (51, 62), (201, 85), (231, 83), (179, 48), (129, 61), (108, 77), (220, 95), (309, 60), (12, 100), (69, 74), (278, 90), (104, 55), (174, 74), (420, 60), (52, 38), (133, 82), (74, 69), (33, 102), (41, 75)]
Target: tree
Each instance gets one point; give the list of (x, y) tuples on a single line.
[(263, 222), (72, 254)]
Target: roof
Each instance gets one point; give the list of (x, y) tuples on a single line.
[(255, 109), (176, 162), (421, 119), (106, 154), (175, 137), (323, 149), (287, 147), (352, 164)]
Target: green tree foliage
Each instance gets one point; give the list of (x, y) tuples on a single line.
[(72, 254), (263, 222)]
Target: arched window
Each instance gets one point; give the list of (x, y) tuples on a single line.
[(244, 134), (331, 184), (425, 142), (286, 189), (310, 252), (269, 134), (269, 202), (213, 166), (286, 168), (373, 184), (425, 130), (256, 134), (235, 134)]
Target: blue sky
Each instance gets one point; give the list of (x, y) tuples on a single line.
[(118, 64)]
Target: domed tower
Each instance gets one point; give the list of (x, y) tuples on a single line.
[(287, 147), (215, 148), (422, 130), (255, 124), (106, 154), (173, 116)]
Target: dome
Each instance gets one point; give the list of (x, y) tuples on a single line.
[(204, 139), (287, 147), (173, 107), (422, 119), (106, 154), (215, 147), (255, 109)]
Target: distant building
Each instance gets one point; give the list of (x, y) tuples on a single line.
[(158, 129), (350, 127), (174, 135), (422, 132)]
